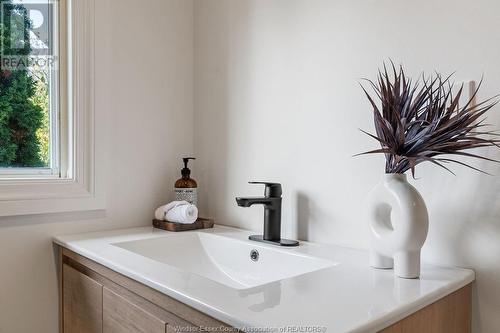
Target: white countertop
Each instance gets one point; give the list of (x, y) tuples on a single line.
[(348, 297)]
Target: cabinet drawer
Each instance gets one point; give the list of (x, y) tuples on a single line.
[(82, 302), (122, 316)]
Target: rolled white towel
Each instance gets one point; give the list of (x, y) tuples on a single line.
[(185, 214), (177, 211), (161, 212)]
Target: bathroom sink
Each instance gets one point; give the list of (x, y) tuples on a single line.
[(235, 263)]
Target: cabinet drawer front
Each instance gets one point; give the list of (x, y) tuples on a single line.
[(82, 299), (121, 316)]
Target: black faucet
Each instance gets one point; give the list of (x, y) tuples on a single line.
[(272, 214)]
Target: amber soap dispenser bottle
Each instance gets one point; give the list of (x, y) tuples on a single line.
[(186, 188)]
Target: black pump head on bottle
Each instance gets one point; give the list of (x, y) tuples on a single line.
[(186, 172)]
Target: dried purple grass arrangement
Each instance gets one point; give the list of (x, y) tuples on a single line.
[(421, 121)]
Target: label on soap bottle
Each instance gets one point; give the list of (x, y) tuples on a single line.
[(187, 194)]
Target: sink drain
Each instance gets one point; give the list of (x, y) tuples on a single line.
[(254, 255)]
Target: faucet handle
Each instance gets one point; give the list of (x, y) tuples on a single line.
[(273, 190)]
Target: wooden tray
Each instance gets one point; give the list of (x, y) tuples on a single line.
[(200, 223)]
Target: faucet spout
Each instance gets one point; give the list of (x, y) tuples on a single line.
[(248, 202)]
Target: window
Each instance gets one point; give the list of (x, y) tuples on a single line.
[(49, 161), (30, 89)]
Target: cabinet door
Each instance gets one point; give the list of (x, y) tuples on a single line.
[(82, 302), (122, 316)]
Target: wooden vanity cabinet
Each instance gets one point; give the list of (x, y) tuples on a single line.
[(95, 299)]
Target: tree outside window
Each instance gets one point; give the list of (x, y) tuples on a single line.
[(26, 66)]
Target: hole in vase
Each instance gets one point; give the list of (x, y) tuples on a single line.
[(382, 222)]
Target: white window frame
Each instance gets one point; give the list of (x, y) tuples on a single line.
[(79, 187)]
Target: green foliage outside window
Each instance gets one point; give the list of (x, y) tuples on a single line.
[(24, 107)]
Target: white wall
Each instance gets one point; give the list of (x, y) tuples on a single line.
[(144, 93), (276, 98)]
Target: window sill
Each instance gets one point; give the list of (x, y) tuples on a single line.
[(48, 196)]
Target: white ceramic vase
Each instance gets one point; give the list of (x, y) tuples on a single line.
[(399, 223)]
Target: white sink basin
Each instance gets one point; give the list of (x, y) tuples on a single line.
[(225, 260)]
